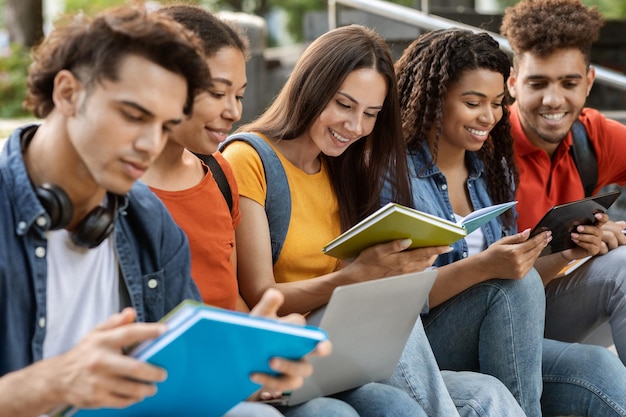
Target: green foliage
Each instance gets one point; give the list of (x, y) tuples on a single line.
[(89, 6), (95, 6), (610, 9), (2, 6), (296, 9), (13, 73)]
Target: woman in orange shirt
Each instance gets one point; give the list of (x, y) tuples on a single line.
[(184, 183)]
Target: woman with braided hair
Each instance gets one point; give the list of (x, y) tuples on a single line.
[(487, 306)]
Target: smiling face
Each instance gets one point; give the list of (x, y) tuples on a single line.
[(473, 106), (550, 93), (118, 128), (351, 114), (217, 110)]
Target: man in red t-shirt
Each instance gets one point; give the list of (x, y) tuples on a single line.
[(550, 81)]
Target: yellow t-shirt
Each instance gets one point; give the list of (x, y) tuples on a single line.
[(314, 212)]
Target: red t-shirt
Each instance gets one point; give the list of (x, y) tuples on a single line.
[(546, 182), (202, 213)]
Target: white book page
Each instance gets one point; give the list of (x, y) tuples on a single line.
[(482, 211)]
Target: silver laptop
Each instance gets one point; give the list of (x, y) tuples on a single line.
[(368, 324)]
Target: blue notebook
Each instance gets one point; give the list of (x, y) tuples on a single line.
[(209, 354)]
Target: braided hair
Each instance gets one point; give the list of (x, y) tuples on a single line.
[(426, 69)]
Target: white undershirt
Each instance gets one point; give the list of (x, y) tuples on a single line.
[(476, 242), (82, 290)]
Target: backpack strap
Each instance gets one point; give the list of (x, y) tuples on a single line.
[(220, 178), (278, 197), (584, 157)]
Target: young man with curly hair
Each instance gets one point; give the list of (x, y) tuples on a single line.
[(550, 81)]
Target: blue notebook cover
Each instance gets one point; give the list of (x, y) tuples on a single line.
[(209, 354)]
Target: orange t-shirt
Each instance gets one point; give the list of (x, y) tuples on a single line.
[(202, 213), (546, 182)]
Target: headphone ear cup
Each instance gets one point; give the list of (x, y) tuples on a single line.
[(96, 226), (56, 203)]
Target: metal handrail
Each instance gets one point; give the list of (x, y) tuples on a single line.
[(427, 21)]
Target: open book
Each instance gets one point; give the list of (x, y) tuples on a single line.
[(394, 221), (209, 354), (572, 266)]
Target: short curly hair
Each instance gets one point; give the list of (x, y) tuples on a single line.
[(543, 26)]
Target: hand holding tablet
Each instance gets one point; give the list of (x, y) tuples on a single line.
[(563, 219)]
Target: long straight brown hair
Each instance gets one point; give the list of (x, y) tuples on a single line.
[(359, 173)]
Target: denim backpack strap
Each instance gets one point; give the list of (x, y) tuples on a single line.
[(278, 198)]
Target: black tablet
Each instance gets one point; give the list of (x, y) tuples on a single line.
[(564, 218)]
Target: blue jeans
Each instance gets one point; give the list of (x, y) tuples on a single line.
[(252, 409), (495, 328), (582, 380), (480, 395), (446, 393), (593, 294), (370, 400), (320, 407)]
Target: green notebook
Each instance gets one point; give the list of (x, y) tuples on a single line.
[(394, 221)]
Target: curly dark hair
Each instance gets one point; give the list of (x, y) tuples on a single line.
[(358, 174), (427, 67), (92, 48), (543, 26)]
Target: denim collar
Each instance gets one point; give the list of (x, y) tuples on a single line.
[(421, 170), (27, 207)]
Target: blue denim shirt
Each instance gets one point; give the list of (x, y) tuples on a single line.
[(430, 195), (153, 256)]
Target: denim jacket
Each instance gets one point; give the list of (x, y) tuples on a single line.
[(152, 251), (430, 195)]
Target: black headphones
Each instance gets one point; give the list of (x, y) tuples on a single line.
[(92, 229)]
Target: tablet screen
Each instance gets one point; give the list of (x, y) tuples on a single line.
[(564, 218)]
